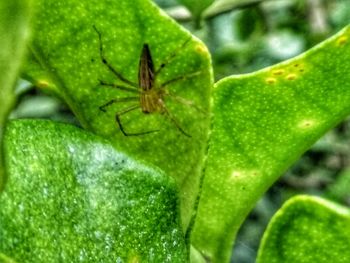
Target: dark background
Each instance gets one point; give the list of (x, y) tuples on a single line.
[(244, 38)]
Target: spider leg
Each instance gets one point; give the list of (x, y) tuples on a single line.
[(117, 118), (185, 102), (108, 65), (120, 87), (172, 56), (111, 102), (180, 78), (174, 121)]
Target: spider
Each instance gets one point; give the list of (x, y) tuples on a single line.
[(147, 96)]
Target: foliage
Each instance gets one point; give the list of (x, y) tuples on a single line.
[(71, 67), (14, 34), (72, 197), (137, 196), (307, 229), (264, 121)]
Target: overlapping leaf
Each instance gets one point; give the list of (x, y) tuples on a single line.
[(14, 20), (306, 230), (72, 197), (263, 122), (66, 59)]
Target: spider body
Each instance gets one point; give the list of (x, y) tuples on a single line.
[(150, 97)]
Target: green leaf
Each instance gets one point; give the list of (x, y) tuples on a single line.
[(14, 18), (307, 230), (263, 122), (66, 49), (72, 197)]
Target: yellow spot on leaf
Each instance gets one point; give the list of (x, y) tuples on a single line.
[(271, 80), (42, 84), (236, 174), (304, 124), (291, 77), (278, 72), (200, 48), (342, 40)]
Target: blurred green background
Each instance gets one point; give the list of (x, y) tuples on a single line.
[(244, 36)]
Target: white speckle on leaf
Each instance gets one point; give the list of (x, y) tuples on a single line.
[(71, 149)]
